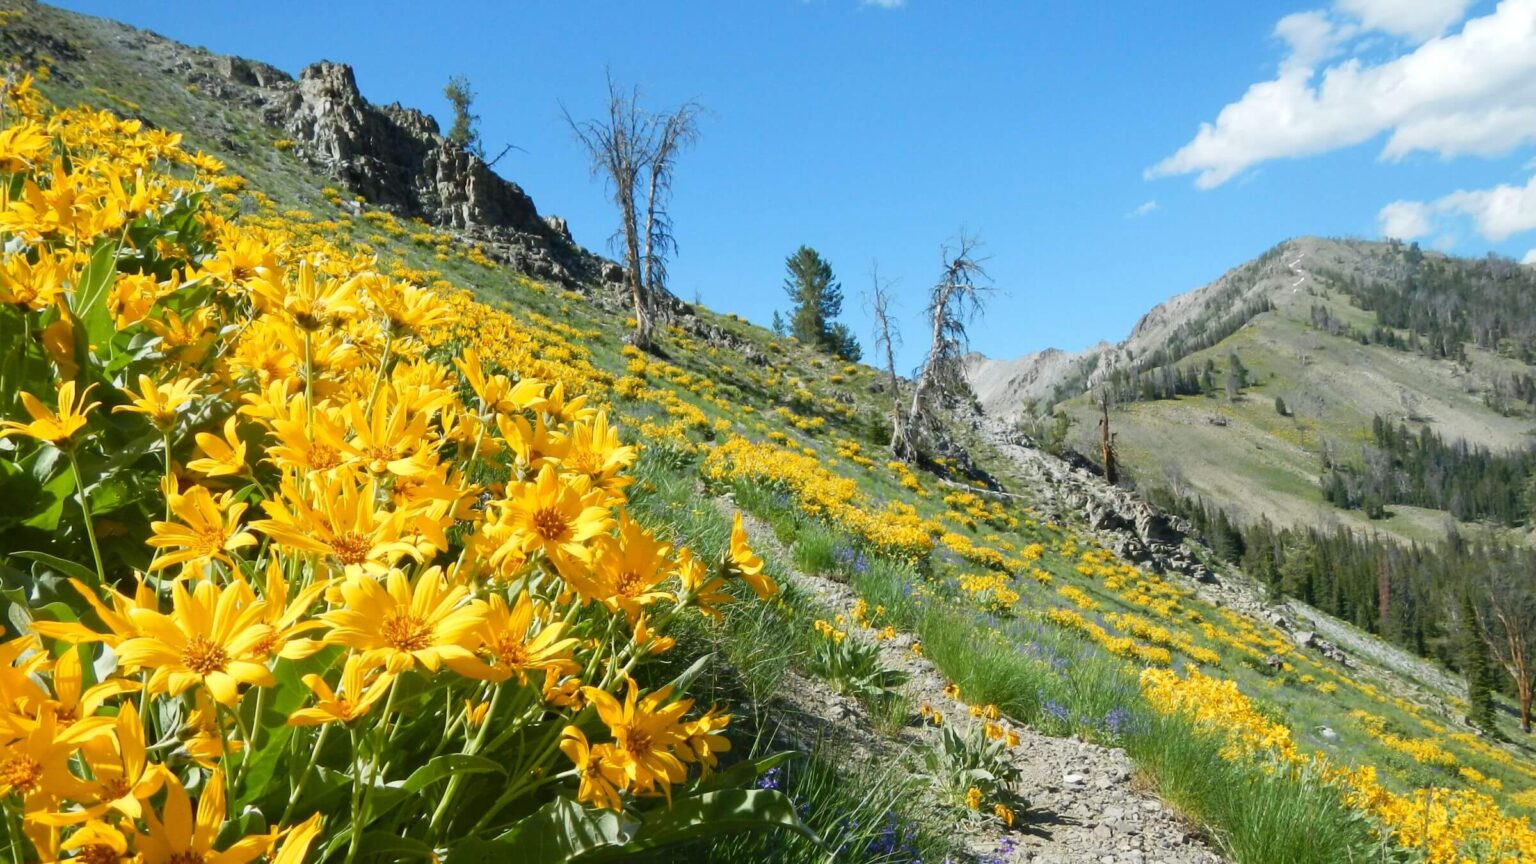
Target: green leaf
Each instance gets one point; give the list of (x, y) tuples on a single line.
[(723, 812), (384, 846), (443, 767), (57, 488), (561, 830), (89, 300), (743, 773), (681, 683), (69, 568)]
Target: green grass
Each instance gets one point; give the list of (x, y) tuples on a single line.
[(1254, 815), (868, 818), (816, 550)]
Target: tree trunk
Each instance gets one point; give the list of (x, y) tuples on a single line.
[(1111, 470), (924, 378), (636, 275)]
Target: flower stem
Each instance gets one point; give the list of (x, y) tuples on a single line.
[(298, 789), (85, 508)]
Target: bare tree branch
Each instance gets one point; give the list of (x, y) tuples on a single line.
[(953, 303), (886, 340)]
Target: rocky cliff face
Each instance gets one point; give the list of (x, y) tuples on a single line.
[(397, 157), (391, 156)]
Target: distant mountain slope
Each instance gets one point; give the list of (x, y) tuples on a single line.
[(1293, 317)]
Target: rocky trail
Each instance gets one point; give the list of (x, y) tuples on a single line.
[(1085, 803)]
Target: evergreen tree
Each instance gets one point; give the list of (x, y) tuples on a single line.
[(1280, 407), (465, 130), (818, 299), (1296, 572), (1478, 668)]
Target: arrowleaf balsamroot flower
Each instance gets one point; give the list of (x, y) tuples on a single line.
[(161, 404), (741, 561), (209, 639), (208, 530), (702, 586), (554, 516), (645, 733), (222, 457), (61, 429), (360, 687), (174, 837), (343, 524), (626, 570), (36, 766), (510, 647), (597, 766), (123, 780), (402, 625)]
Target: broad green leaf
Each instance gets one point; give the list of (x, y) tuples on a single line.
[(723, 812), (89, 300), (445, 766), (57, 488), (561, 830), (69, 568), (743, 773)]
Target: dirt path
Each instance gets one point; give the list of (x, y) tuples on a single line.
[(1083, 803)]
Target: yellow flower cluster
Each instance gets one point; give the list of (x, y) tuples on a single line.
[(984, 556), (1219, 707), (1120, 646), (894, 530), (970, 508), (1420, 749), (441, 504), (1180, 641), (991, 591), (1447, 826)]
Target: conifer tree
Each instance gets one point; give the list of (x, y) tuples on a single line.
[(818, 299), (465, 130), (1478, 668)]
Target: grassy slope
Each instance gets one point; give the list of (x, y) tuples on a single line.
[(778, 390)]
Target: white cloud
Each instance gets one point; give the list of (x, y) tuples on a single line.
[(1310, 37), (1414, 19), (1470, 92), (884, 4), (1497, 213), (1405, 220), (1143, 209), (1530, 258)]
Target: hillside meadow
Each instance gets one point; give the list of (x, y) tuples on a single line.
[(328, 538)]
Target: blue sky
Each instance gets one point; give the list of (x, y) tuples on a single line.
[(876, 131)]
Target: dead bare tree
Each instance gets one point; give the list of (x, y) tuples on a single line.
[(955, 300), (1505, 605), (1107, 441), (886, 340), (628, 146), (671, 134)]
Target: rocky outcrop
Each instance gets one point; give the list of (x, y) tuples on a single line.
[(1142, 534), (396, 158)]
